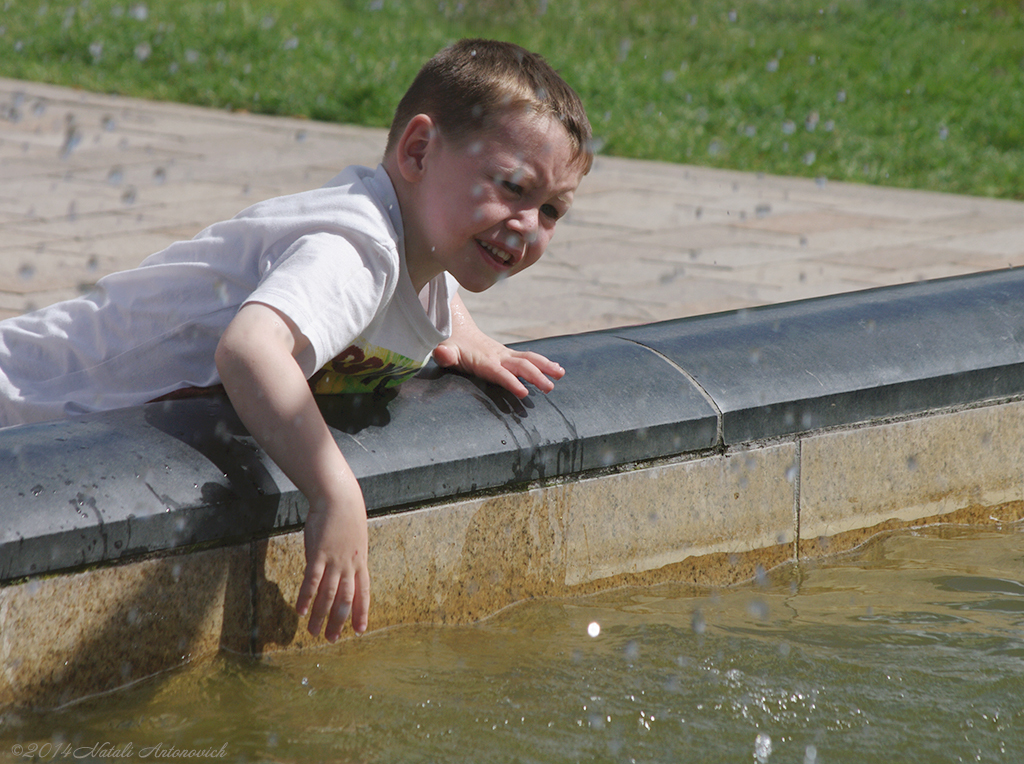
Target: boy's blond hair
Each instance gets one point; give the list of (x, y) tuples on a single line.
[(470, 84)]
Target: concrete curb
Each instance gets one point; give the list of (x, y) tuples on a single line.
[(161, 477)]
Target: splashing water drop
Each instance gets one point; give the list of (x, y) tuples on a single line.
[(698, 623), (758, 609), (594, 629), (129, 196), (762, 748), (72, 137), (291, 43), (96, 50), (116, 176), (159, 175), (143, 51), (26, 272)]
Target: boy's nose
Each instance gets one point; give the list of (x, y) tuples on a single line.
[(524, 223)]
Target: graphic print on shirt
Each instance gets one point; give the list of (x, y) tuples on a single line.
[(361, 368)]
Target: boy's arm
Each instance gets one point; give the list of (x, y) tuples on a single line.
[(472, 351), (256, 362)]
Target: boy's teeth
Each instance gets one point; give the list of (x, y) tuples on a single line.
[(503, 256)]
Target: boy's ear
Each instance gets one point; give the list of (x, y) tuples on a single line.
[(414, 145)]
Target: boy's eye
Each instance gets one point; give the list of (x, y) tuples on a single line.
[(549, 210), (514, 188)]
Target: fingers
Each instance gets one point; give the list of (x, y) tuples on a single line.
[(361, 603), (340, 609), (535, 369), (331, 598), (445, 355)]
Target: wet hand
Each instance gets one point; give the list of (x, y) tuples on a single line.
[(336, 585), (490, 360)]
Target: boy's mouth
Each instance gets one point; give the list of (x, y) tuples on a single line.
[(501, 256)]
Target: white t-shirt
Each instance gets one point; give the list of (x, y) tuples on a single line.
[(331, 259)]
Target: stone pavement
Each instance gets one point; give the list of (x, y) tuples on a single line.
[(90, 184)]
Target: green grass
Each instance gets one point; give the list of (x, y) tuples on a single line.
[(913, 93)]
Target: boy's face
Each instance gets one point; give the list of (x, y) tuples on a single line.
[(486, 209)]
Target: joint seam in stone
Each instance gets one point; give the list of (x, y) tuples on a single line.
[(720, 427)]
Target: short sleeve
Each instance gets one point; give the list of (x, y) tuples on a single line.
[(332, 287)]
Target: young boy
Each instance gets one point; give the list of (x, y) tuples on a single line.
[(338, 289)]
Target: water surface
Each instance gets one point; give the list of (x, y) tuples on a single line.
[(910, 650)]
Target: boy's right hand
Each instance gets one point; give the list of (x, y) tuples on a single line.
[(256, 361), (337, 581)]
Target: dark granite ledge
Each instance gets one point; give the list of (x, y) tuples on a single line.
[(180, 473)]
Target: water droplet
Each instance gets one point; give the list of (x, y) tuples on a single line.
[(143, 51), (300, 136), (291, 43), (697, 622), (129, 195), (594, 629), (772, 66), (761, 576), (191, 56), (268, 22), (72, 137), (139, 12), (115, 176), (159, 175), (108, 123), (624, 47), (762, 748), (788, 127), (809, 158), (26, 272), (810, 755)]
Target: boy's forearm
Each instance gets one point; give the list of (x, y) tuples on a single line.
[(273, 400)]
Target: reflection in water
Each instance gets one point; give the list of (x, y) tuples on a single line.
[(911, 651)]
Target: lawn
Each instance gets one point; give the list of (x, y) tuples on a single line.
[(912, 93)]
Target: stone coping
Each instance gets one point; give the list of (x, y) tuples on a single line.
[(173, 475)]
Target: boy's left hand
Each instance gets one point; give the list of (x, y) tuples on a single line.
[(490, 360), (472, 351)]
